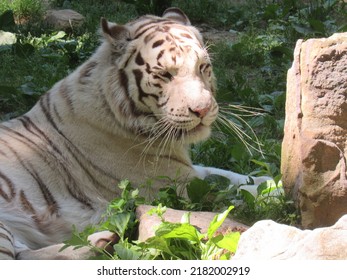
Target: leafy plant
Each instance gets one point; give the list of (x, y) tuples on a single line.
[(24, 9), (171, 240), (184, 241), (156, 7), (7, 21)]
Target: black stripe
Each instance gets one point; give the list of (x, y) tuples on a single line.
[(158, 43), (7, 252), (65, 94), (51, 202), (142, 26), (30, 125), (124, 81), (139, 59), (5, 229), (154, 23), (27, 123), (128, 102), (130, 56), (86, 72), (9, 183), (142, 94), (144, 31), (148, 25), (27, 206), (5, 236), (158, 86), (160, 54), (186, 35), (148, 68), (163, 103), (55, 110), (150, 36), (46, 110)]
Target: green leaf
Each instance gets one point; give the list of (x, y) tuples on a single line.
[(157, 243), (217, 222), (23, 50), (247, 197), (7, 21), (228, 241), (78, 239), (28, 88), (186, 218), (159, 211), (317, 25), (225, 257), (7, 91), (177, 230), (125, 253), (56, 37), (302, 29), (197, 189), (217, 182), (262, 164), (119, 223), (262, 187), (124, 184)]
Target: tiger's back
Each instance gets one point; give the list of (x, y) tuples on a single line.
[(131, 111)]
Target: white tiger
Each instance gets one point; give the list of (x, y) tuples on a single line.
[(130, 111)]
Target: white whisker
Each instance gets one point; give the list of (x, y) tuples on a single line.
[(238, 112)]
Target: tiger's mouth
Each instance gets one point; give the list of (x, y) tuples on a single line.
[(177, 131), (197, 132)]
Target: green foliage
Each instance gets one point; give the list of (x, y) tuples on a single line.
[(24, 10), (179, 241), (156, 7), (32, 65), (7, 21), (184, 241)]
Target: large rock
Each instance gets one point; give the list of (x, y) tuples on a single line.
[(314, 146), (63, 19), (7, 38), (267, 240), (149, 223)]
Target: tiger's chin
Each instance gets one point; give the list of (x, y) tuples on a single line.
[(196, 134)]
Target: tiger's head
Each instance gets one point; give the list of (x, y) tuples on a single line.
[(165, 75)]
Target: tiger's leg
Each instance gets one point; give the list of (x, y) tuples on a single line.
[(7, 251), (235, 178), (104, 240)]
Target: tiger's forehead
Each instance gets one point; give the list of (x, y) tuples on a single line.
[(155, 34), (149, 28)]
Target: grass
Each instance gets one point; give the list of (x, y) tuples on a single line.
[(251, 72)]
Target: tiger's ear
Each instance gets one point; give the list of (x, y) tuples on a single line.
[(117, 35), (176, 14)]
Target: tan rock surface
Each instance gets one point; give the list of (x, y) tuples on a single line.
[(201, 220), (267, 240), (314, 146)]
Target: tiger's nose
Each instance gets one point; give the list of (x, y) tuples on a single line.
[(200, 112)]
